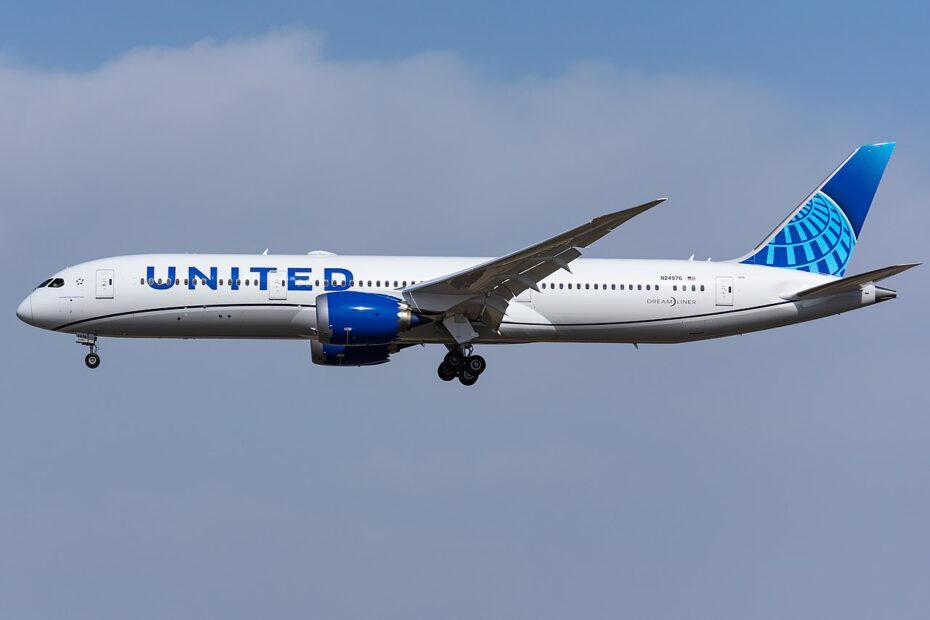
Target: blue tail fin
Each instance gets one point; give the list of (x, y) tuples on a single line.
[(819, 236)]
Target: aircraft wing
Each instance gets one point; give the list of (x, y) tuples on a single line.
[(483, 292)]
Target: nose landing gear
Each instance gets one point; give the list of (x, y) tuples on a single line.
[(92, 359), (459, 362)]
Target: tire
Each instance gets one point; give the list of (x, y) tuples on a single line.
[(454, 359), (476, 364), (446, 373), (466, 377), (92, 360)]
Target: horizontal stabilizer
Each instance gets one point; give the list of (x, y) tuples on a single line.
[(852, 283)]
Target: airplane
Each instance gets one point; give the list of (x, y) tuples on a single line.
[(361, 310)]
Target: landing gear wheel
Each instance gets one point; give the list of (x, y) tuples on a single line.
[(454, 360), (447, 373), (467, 377), (475, 364), (90, 341)]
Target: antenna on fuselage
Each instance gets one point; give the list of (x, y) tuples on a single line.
[(265, 253)]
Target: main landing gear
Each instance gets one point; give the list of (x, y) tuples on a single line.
[(459, 362), (92, 359)]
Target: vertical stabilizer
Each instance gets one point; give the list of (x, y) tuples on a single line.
[(819, 236)]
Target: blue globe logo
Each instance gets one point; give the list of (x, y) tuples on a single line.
[(818, 238)]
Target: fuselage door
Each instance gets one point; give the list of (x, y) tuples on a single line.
[(104, 284), (724, 291), (277, 285)]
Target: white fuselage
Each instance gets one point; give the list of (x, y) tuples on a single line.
[(249, 296)]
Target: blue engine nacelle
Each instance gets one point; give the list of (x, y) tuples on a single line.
[(339, 355), (353, 318)]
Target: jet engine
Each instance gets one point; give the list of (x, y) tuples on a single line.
[(350, 318)]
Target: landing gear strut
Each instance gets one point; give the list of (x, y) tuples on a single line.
[(459, 362), (92, 359)]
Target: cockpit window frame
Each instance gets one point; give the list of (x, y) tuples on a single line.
[(45, 283)]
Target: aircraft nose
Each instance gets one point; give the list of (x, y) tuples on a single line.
[(24, 312)]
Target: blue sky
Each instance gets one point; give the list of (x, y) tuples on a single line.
[(780, 474), (849, 47)]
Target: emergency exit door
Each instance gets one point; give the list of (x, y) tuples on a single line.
[(104, 284), (277, 285), (725, 291)]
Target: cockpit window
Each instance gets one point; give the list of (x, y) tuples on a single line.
[(56, 283), (45, 283)]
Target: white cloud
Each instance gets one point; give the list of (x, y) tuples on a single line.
[(236, 145)]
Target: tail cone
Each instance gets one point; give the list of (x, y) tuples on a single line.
[(884, 294)]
